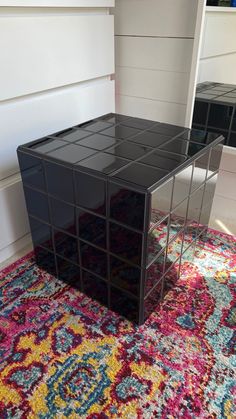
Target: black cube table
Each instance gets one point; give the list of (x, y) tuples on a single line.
[(117, 204), (214, 110)]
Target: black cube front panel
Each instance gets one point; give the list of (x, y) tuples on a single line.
[(214, 110), (116, 204)]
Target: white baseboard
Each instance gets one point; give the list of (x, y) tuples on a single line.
[(15, 248)]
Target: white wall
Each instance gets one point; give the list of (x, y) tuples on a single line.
[(156, 55), (56, 66), (218, 52)]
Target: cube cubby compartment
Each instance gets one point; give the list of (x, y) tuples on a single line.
[(214, 110), (116, 206)]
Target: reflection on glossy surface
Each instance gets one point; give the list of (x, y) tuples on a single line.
[(66, 246), (220, 116), (178, 218), (127, 206), (121, 131), (41, 234), (139, 123), (182, 185), (151, 139), (164, 160), (174, 250), (155, 272), (68, 273), (37, 204), (72, 153), (114, 118), (128, 150), (157, 240), (199, 136), (200, 170), (104, 163), (125, 276), (95, 288), (126, 243), (93, 259), (47, 145), (152, 300), (207, 200), (59, 181), (171, 277), (63, 216), (73, 135), (215, 158), (124, 305), (92, 228), (97, 126), (99, 142), (141, 175), (31, 170), (90, 192), (166, 129), (161, 202), (195, 204), (45, 260)]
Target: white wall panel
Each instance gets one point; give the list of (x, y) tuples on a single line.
[(156, 85), (218, 53), (41, 53), (37, 115), (14, 222), (219, 36), (155, 17), (57, 3), (165, 54), (151, 109), (219, 69)]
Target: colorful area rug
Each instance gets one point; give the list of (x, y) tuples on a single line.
[(63, 355)]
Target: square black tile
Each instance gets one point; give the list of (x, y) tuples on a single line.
[(104, 163), (128, 150), (155, 272), (95, 287), (161, 202), (152, 301), (45, 260), (96, 126), (139, 123), (93, 259), (41, 234), (68, 273), (126, 243), (121, 132), (99, 142), (59, 181), (66, 246), (125, 276), (164, 160), (32, 171), (46, 145), (127, 206), (141, 175), (92, 228), (90, 192), (73, 135), (124, 304), (37, 204), (72, 153), (151, 139), (63, 215)]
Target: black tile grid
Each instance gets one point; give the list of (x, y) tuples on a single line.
[(68, 247), (216, 112)]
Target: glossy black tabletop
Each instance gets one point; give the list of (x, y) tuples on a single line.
[(132, 150)]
